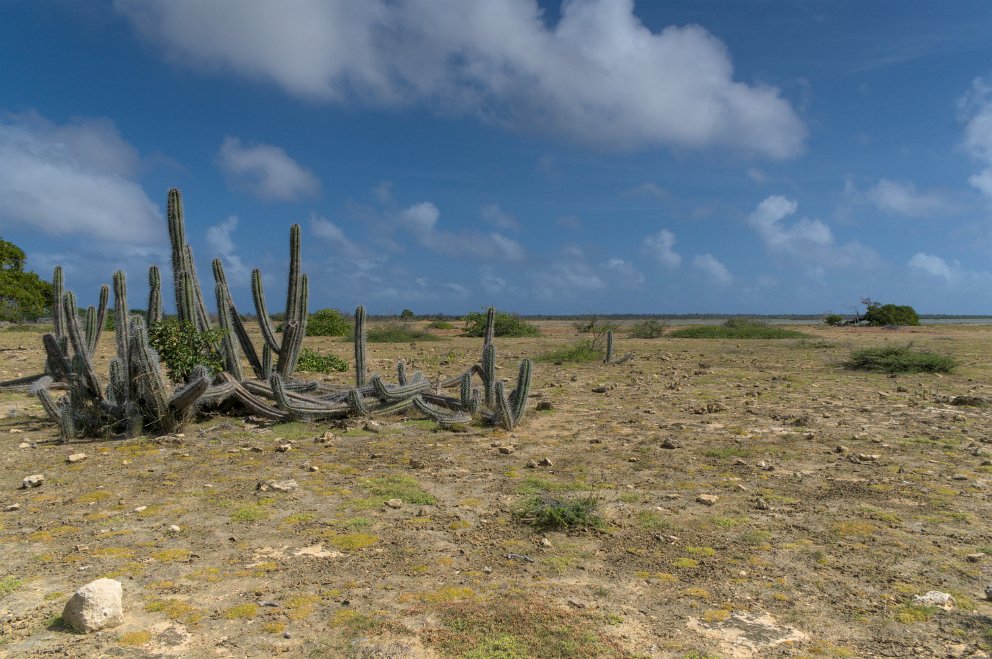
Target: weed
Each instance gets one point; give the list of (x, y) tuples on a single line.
[(384, 488), (313, 361), (9, 584), (899, 359), (544, 511), (396, 332), (250, 513), (440, 325), (134, 639), (242, 612), (583, 351), (650, 328), (175, 610), (351, 541), (328, 322)]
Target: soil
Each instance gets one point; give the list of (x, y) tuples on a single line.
[(758, 500)]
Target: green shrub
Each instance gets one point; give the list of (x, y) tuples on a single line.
[(583, 351), (311, 360), (440, 325), (900, 359), (737, 328), (549, 512), (406, 314), (890, 314), (648, 329), (396, 332), (181, 347), (595, 325), (833, 319), (507, 324), (328, 322)]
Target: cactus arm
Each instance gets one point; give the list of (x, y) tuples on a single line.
[(360, 340), (399, 392), (440, 415), (490, 326), (357, 403), (489, 373), (56, 357), (201, 317), (146, 378), (504, 415), (89, 330), (609, 347), (228, 349), (522, 391), (186, 396), (41, 390), (401, 372), (122, 327), (264, 321), (266, 361), (86, 371), (247, 347), (58, 290), (154, 295)]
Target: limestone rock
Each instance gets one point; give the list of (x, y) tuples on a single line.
[(95, 606), (32, 481)]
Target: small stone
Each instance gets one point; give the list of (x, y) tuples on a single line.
[(423, 512), (544, 406), (959, 477), (282, 448), (935, 598), (313, 468), (600, 389), (633, 459), (76, 457), (671, 443), (32, 481), (532, 464), (546, 462), (12, 507), (24, 445), (287, 635), (417, 464), (841, 449), (175, 529), (95, 606), (506, 450), (707, 499), (326, 437), (546, 543), (269, 603), (988, 592), (761, 504), (987, 463), (868, 457), (373, 426), (140, 509), (975, 558), (278, 486), (394, 503)]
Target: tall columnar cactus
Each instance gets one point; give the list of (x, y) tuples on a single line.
[(154, 296), (295, 324), (489, 373), (360, 339), (490, 326), (231, 321), (609, 347), (189, 295)]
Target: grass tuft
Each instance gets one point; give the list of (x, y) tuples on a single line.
[(900, 359), (583, 351), (737, 328), (548, 512)]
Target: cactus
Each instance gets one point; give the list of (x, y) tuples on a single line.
[(154, 296), (490, 326), (232, 321), (489, 372), (189, 297), (295, 325), (609, 347), (360, 340)]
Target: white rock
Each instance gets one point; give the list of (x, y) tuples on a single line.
[(95, 606), (278, 486), (394, 503), (935, 598), (76, 457), (32, 481)]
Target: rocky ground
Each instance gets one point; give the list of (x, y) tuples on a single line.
[(759, 500)]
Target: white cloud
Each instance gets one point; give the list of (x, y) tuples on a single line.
[(595, 75), (932, 265), (566, 277), (74, 179), (624, 273), (219, 239), (902, 198), (265, 171), (976, 110), (712, 269), (661, 247), (421, 220), (499, 218), (492, 284), (811, 242)]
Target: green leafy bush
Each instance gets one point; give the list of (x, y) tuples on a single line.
[(833, 319), (737, 328), (181, 347), (396, 332), (507, 324), (550, 512), (406, 314), (328, 322), (311, 360), (890, 314), (23, 295), (440, 325), (900, 359), (650, 328)]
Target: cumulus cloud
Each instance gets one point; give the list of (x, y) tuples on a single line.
[(810, 241), (661, 247), (902, 198), (219, 239), (950, 273), (711, 268), (596, 75), (976, 110), (623, 273), (932, 265), (566, 277), (421, 220), (74, 179), (265, 171)]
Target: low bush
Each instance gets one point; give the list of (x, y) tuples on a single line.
[(507, 324), (182, 347), (396, 332), (440, 325), (583, 351), (311, 360), (328, 322), (595, 325), (650, 328), (900, 359), (737, 328), (549, 512), (833, 319), (879, 315)]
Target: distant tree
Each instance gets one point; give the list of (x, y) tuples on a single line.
[(879, 314), (23, 295), (833, 319), (406, 314)]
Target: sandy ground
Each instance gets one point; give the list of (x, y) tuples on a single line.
[(801, 548)]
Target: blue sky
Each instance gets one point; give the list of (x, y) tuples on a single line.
[(443, 155)]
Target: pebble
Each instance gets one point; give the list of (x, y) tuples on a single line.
[(707, 499), (175, 529), (417, 464), (975, 558), (326, 437), (841, 449), (140, 509), (278, 486), (671, 443), (394, 503), (935, 598), (532, 464), (76, 457), (506, 450), (546, 462), (282, 448), (373, 426), (544, 406), (313, 468), (546, 543), (34, 480), (988, 592), (12, 507)]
